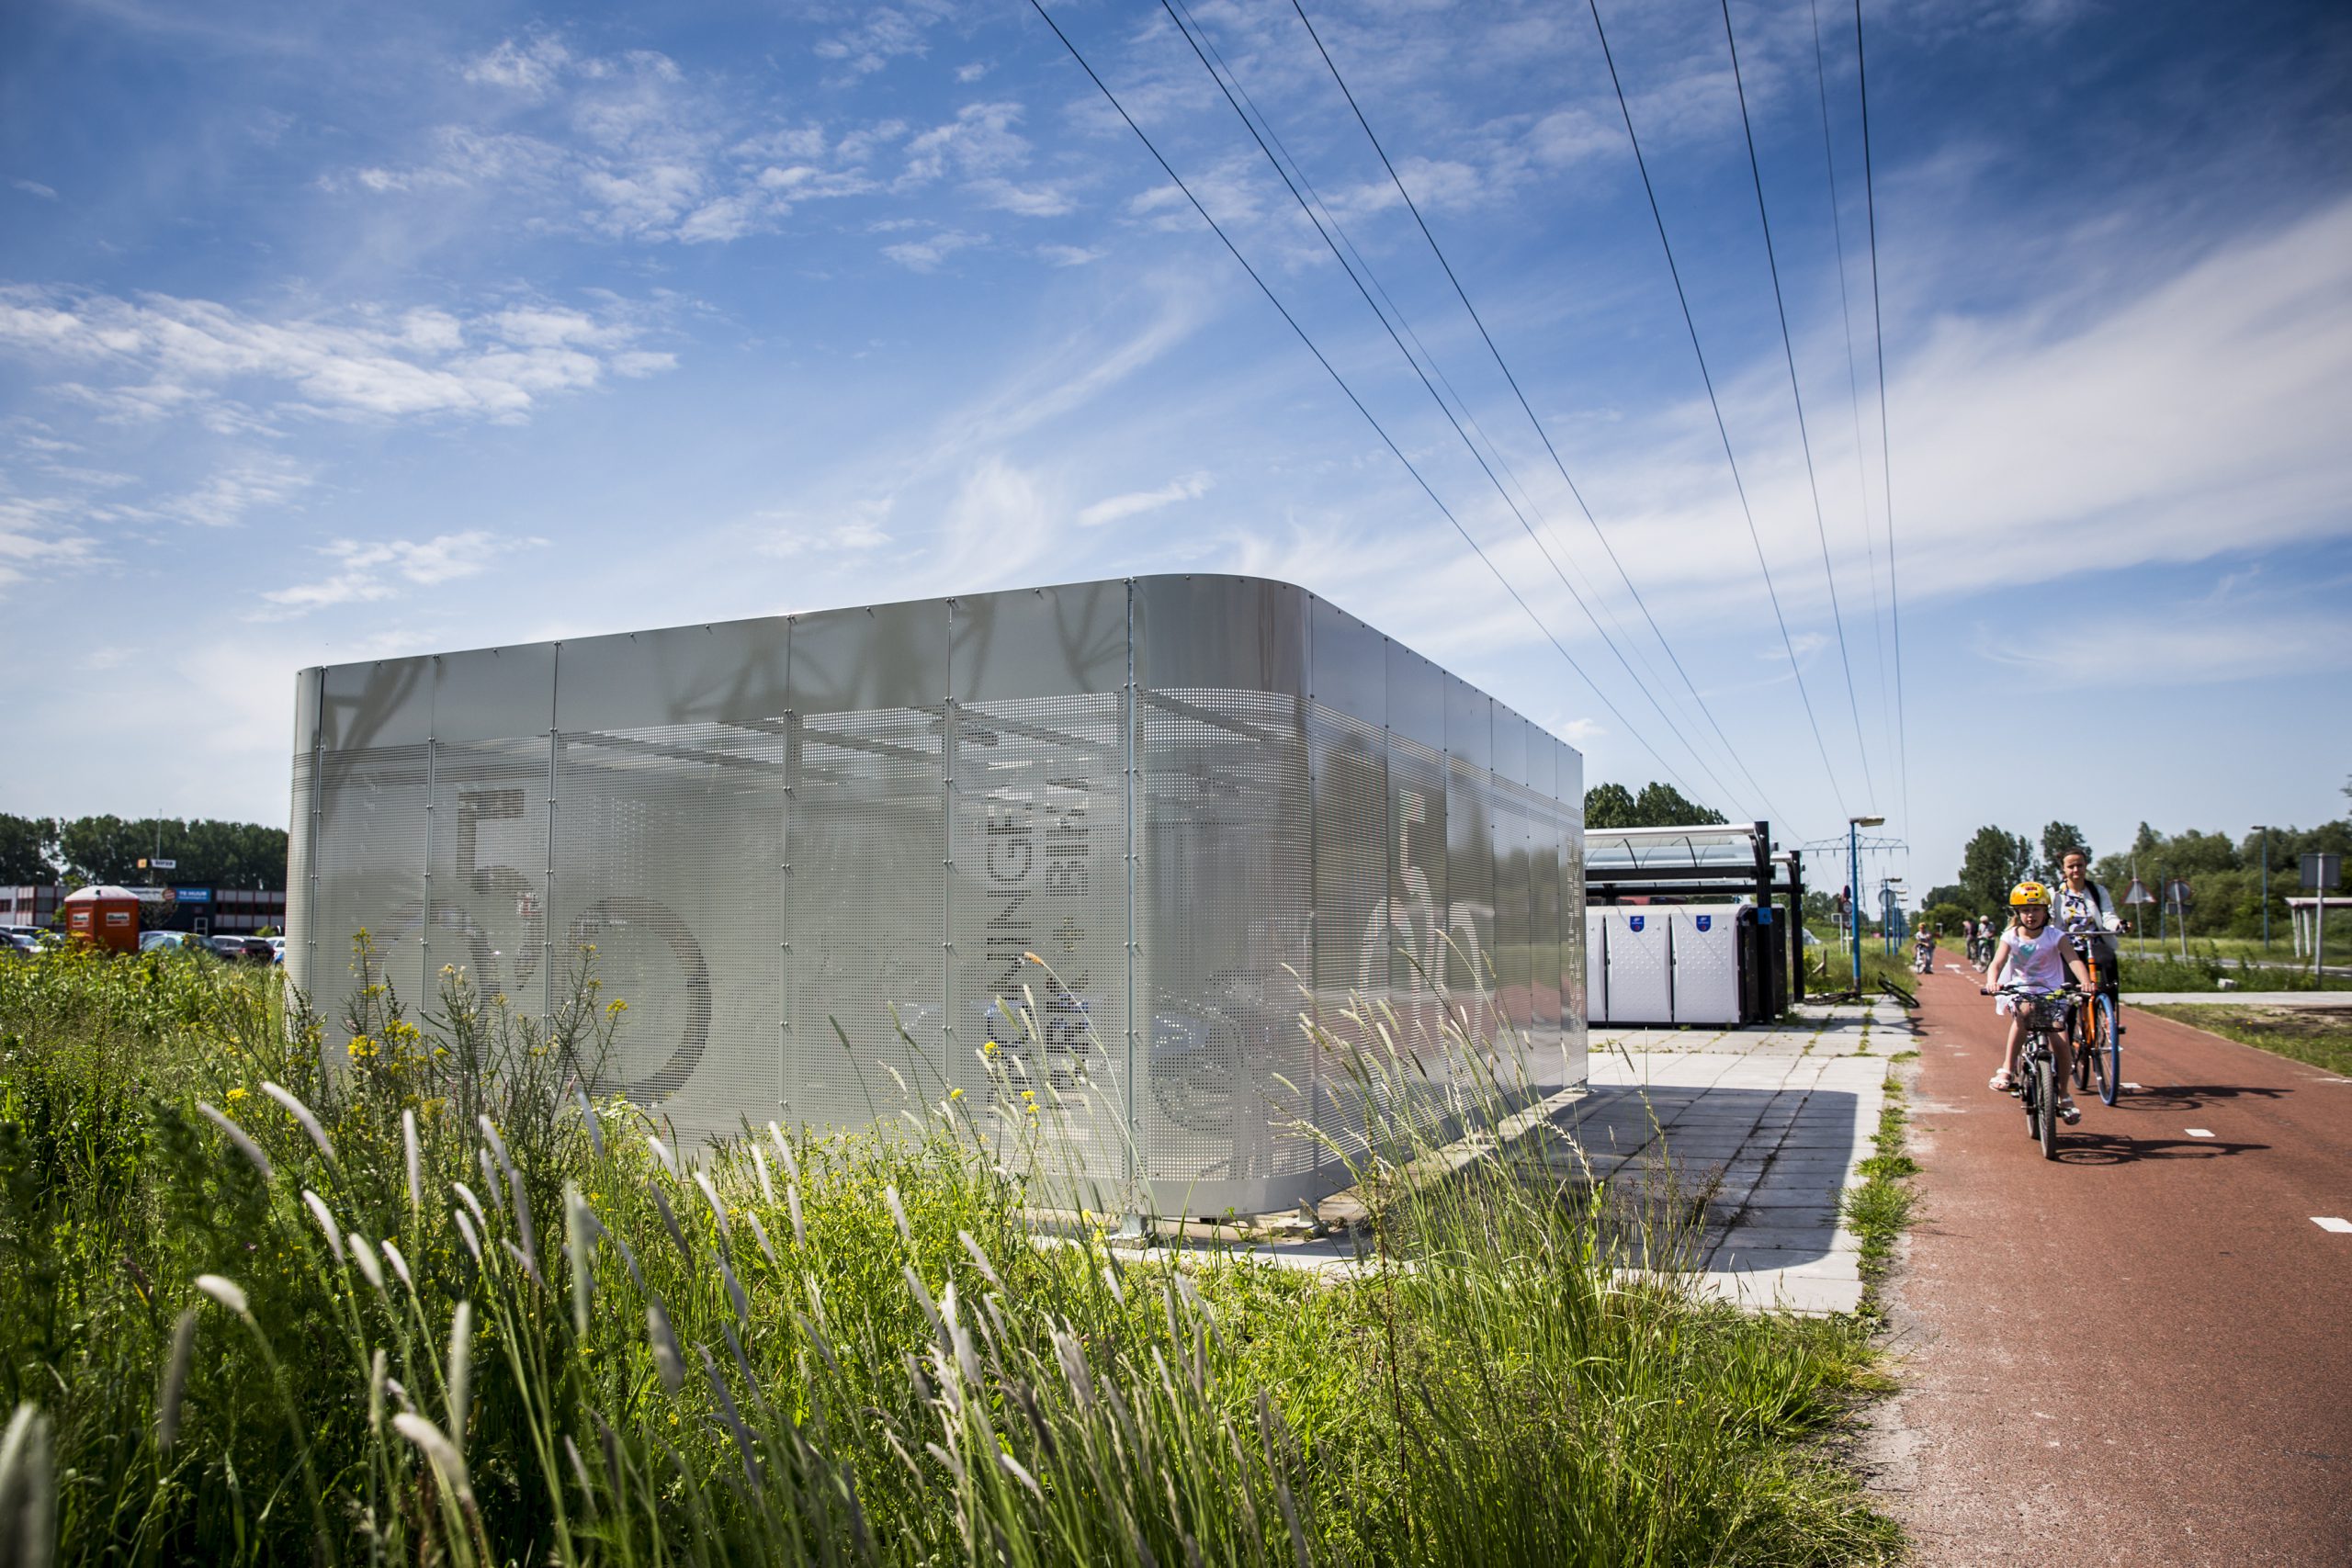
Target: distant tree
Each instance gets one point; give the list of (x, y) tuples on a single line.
[(1994, 861), (1658, 806), (25, 843), (1950, 893), (2056, 840), (1608, 806), (1663, 806), (225, 854)]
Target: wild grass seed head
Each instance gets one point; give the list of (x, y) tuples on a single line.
[(760, 1166), (735, 1295), (460, 1371), (237, 1136), (175, 1365), (670, 1221), (899, 1213), (399, 1264), (228, 1292), (577, 1242), (415, 1161), (663, 1339), (301, 1113), (446, 1457), (784, 1150), (592, 1123), (760, 1234), (981, 1259), (466, 1229), (792, 1201), (466, 1195), (319, 1212), (379, 1374), (718, 1208), (662, 1152), (363, 1257)]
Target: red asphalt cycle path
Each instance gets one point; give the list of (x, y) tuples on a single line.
[(2142, 1352)]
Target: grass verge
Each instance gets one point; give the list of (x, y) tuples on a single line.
[(2320, 1036), (1879, 1210), (274, 1289)]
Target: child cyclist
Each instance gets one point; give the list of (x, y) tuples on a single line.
[(2034, 954)]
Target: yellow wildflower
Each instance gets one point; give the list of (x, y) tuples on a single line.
[(955, 1094), (236, 1094)]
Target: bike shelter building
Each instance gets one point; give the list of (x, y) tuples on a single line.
[(1684, 927), (821, 855)]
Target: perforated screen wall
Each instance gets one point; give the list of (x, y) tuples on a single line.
[(826, 860)]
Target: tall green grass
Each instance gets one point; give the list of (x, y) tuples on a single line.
[(395, 1290)]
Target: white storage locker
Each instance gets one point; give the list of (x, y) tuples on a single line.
[(1640, 973), (1706, 964)]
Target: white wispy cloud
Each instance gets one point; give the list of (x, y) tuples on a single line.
[(1117, 508), (367, 571), (170, 355), (925, 255)]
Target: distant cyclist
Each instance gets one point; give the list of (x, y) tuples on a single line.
[(1968, 937), (2081, 906), (2037, 956)]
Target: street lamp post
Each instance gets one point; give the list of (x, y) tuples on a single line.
[(1854, 825)]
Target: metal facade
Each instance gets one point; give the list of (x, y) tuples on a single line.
[(1212, 803)]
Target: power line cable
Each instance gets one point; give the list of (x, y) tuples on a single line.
[(1427, 385), (1722, 431), (1346, 390), (1804, 435), (1886, 464), (1460, 293), (1853, 374), (1331, 218)]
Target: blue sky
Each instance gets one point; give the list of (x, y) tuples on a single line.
[(328, 333)]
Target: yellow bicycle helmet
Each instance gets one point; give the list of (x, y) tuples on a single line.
[(2027, 893)]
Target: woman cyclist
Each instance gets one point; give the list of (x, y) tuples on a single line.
[(2035, 955)]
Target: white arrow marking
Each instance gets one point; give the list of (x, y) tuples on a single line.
[(2330, 1222)]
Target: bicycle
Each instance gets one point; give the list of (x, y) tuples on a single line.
[(2096, 1027), (2046, 1014)]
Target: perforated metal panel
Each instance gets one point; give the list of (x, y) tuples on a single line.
[(1348, 758), (1222, 902), (370, 866), (1040, 867), (489, 864), (669, 844), (1595, 967), (1208, 804)]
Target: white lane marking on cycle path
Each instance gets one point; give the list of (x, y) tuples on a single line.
[(2330, 1222), (2199, 1132)]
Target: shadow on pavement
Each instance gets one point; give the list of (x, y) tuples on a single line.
[(2190, 1097), (2079, 1147)]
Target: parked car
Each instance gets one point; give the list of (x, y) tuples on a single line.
[(16, 944), (242, 949), (150, 941)]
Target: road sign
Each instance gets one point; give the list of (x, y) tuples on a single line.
[(2138, 895), (2177, 893), (165, 864), (2321, 871)]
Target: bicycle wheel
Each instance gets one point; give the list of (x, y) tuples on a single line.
[(2045, 1083), (2026, 1102), (2110, 1036), (2078, 1031)]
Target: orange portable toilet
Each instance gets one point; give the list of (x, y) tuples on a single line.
[(107, 916)]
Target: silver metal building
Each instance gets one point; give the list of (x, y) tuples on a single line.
[(1211, 804)]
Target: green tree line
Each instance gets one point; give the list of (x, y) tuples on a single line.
[(109, 849), (1658, 805), (2225, 875)]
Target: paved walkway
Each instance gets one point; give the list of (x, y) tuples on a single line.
[(1766, 1127), (1725, 1152)]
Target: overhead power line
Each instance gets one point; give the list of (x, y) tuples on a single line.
[(1722, 431), (1853, 375), (1362, 288), (1886, 466), (1501, 364), (1379, 429), (1804, 435)]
